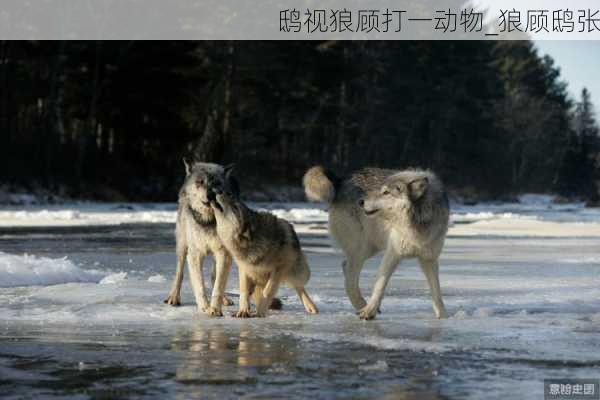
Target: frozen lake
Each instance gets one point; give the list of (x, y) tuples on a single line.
[(81, 312)]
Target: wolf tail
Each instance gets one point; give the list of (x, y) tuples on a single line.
[(320, 184)]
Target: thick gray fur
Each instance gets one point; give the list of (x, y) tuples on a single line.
[(266, 250), (403, 213), (196, 235)]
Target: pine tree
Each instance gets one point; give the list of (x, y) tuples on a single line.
[(580, 166)]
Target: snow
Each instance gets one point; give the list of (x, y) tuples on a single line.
[(28, 270), (158, 278), (86, 214), (378, 366), (535, 199), (526, 227), (534, 215), (113, 278)]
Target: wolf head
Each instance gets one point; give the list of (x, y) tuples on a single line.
[(203, 181), (227, 207), (400, 193), (230, 214)]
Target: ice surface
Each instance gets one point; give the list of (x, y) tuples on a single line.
[(521, 283)]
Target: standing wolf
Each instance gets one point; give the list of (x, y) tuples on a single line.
[(196, 234), (402, 213), (266, 251)]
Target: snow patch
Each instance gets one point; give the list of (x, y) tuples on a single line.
[(536, 199), (483, 312), (27, 270), (581, 260), (378, 366), (158, 278), (488, 215), (300, 214), (114, 278)]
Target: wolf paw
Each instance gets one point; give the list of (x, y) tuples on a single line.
[(242, 314), (214, 312), (227, 301), (173, 300), (367, 313), (203, 308), (311, 309)]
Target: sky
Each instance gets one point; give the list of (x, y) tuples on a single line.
[(579, 63)]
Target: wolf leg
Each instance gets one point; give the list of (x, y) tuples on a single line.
[(223, 266), (174, 297), (195, 260), (431, 270), (309, 305), (256, 294), (265, 296), (386, 269), (244, 311), (213, 277), (352, 267)]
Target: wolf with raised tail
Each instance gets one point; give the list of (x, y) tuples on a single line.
[(266, 250), (402, 213)]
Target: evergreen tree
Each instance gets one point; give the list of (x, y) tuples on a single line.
[(580, 167), (113, 119)]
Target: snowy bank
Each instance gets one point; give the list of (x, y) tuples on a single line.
[(27, 270), (534, 215)]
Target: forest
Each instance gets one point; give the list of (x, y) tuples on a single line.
[(112, 120)]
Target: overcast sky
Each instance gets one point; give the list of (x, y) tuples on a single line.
[(579, 63)]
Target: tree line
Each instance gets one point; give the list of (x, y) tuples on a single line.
[(112, 120)]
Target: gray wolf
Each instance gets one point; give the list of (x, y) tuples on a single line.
[(403, 214), (266, 250), (196, 235)]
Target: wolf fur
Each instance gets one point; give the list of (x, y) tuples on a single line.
[(266, 251), (403, 214), (196, 235)]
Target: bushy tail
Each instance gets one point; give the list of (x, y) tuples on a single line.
[(319, 184)]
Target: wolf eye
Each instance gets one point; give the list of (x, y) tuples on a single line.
[(386, 192)]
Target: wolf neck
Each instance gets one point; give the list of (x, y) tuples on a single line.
[(201, 220)]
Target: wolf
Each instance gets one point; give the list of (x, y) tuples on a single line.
[(196, 235), (402, 213), (266, 250)]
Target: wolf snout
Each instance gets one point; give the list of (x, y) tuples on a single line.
[(211, 195), (361, 203), (213, 192)]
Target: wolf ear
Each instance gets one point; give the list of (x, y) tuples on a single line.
[(228, 169), (418, 187), (233, 184), (188, 165)]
